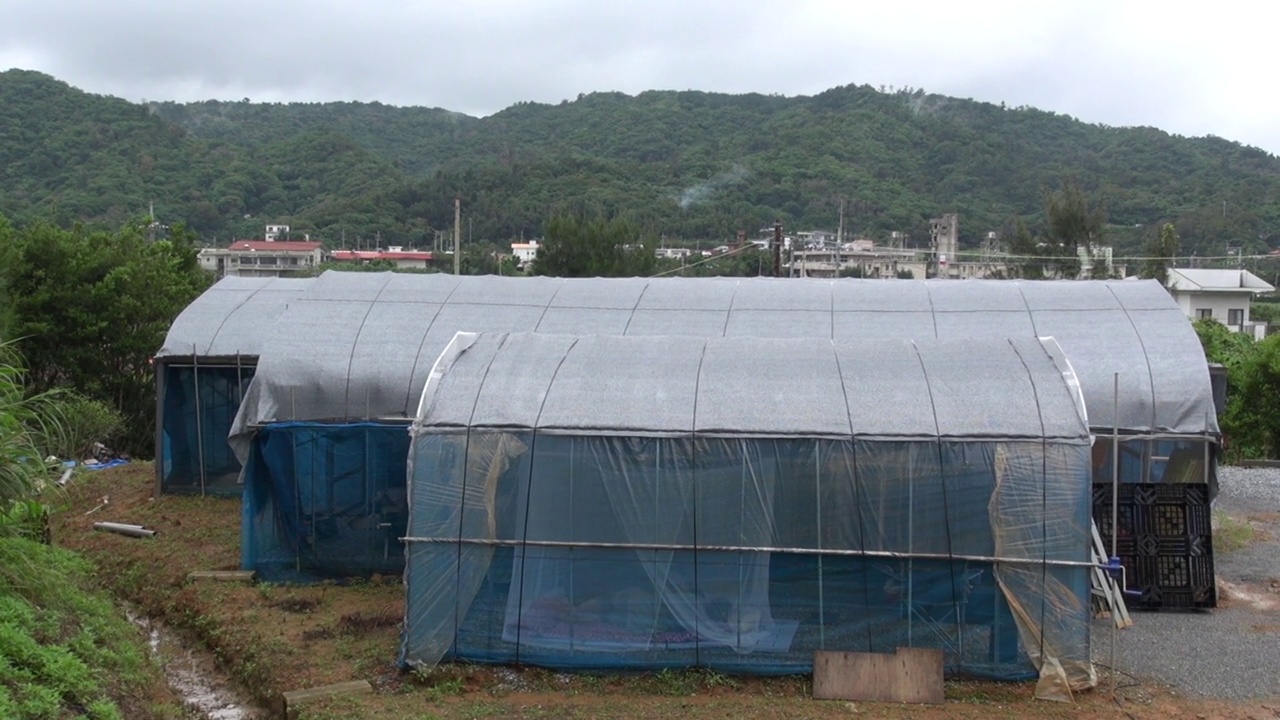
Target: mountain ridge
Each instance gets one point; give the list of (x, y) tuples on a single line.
[(685, 164)]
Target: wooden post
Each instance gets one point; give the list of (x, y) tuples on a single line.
[(287, 704), (457, 235)]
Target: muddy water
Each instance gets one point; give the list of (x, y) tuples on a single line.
[(195, 677)]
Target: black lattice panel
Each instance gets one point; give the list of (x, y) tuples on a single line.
[(1164, 541)]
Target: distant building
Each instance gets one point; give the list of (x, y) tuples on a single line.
[(397, 255), (276, 232), (944, 234), (672, 252), (1223, 295), (262, 258), (814, 239), (1097, 255), (525, 252), (862, 256)]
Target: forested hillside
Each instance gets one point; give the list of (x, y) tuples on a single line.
[(687, 165)]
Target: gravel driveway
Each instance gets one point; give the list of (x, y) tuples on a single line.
[(1232, 652)]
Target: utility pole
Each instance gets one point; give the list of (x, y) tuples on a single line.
[(457, 234), (777, 248), (839, 237)]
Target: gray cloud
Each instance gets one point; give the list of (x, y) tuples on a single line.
[(1117, 63)]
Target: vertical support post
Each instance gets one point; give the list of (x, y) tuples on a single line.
[(657, 513), (159, 368), (195, 380), (239, 382), (839, 237), (822, 605), (777, 248), (573, 601), (365, 470), (1115, 499), (297, 496), (457, 235), (911, 537), (1206, 449)]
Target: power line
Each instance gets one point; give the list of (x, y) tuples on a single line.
[(725, 254)]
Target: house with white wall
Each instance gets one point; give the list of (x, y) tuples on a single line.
[(525, 252), (1224, 295), (262, 258)]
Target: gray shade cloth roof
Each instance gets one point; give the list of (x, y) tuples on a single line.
[(234, 317), (810, 387), (360, 345)]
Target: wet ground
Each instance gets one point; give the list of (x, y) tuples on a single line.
[(205, 690)]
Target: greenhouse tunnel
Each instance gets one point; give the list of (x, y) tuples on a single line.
[(653, 502), (357, 348), (202, 372)]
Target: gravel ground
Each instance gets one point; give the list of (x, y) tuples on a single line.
[(1232, 652)]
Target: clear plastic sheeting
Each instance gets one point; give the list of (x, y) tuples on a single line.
[(202, 373), (619, 502), (325, 501)]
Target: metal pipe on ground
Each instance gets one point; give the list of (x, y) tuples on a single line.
[(124, 529)]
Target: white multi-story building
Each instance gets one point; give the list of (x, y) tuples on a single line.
[(262, 258)]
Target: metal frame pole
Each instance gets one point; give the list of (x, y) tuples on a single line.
[(195, 380), (1115, 499)]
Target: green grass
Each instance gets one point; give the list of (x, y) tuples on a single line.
[(65, 650), (1231, 533)]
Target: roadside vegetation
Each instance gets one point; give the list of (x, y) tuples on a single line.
[(66, 650), (1251, 423)]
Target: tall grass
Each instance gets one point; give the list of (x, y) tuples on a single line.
[(28, 426), (34, 428)]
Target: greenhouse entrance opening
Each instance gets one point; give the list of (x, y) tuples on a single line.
[(199, 407)]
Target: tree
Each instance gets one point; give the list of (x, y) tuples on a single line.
[(90, 308), (1027, 262), (1251, 423), (575, 246), (487, 259), (1160, 252), (1072, 224)]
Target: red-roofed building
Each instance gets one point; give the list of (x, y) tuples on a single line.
[(395, 254), (263, 258)]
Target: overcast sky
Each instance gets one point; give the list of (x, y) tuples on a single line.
[(1206, 69)]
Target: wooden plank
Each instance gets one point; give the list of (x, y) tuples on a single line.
[(222, 575), (288, 703), (911, 675)]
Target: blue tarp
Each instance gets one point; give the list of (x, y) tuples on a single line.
[(325, 500), (194, 455)]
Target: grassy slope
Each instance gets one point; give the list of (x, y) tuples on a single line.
[(275, 638), (65, 649)]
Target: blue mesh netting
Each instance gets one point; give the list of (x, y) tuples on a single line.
[(510, 558), (325, 501), (196, 419)]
